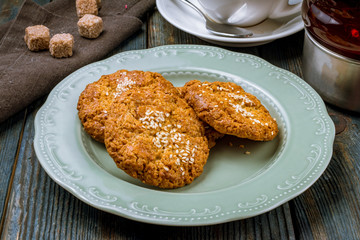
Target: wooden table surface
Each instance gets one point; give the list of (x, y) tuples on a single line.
[(33, 206)]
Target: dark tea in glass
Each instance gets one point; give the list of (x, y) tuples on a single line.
[(335, 24)]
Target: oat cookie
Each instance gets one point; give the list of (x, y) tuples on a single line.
[(156, 137), (210, 133), (97, 97), (230, 110)]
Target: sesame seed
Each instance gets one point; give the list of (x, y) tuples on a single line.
[(238, 108), (244, 98), (168, 138), (123, 86)]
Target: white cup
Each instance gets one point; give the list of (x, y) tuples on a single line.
[(245, 13)]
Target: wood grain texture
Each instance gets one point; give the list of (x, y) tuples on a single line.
[(283, 54), (331, 207), (10, 136), (10, 8)]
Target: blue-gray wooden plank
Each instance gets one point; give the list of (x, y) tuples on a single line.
[(10, 8), (10, 134)]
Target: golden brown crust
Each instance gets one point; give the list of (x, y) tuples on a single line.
[(95, 100), (230, 110), (210, 133), (156, 137)]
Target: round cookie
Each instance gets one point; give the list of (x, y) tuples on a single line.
[(156, 137), (210, 133), (95, 100), (230, 110)]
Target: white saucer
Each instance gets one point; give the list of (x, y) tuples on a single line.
[(187, 19)]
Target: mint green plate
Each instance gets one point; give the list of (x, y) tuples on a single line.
[(241, 178)]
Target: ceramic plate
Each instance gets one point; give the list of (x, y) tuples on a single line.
[(241, 178), (185, 18)]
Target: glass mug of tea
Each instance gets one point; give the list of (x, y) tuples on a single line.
[(331, 53), (245, 13), (335, 24)]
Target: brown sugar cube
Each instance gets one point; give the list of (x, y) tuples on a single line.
[(90, 26), (37, 37), (61, 45), (86, 7)]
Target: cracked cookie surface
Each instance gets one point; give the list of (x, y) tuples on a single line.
[(227, 108), (94, 102), (156, 137), (211, 134)]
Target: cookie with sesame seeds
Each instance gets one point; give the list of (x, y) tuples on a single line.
[(230, 110), (95, 100), (156, 137), (210, 133)]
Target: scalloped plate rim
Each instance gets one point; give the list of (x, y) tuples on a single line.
[(129, 213)]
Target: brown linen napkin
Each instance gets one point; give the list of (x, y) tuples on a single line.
[(25, 76)]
